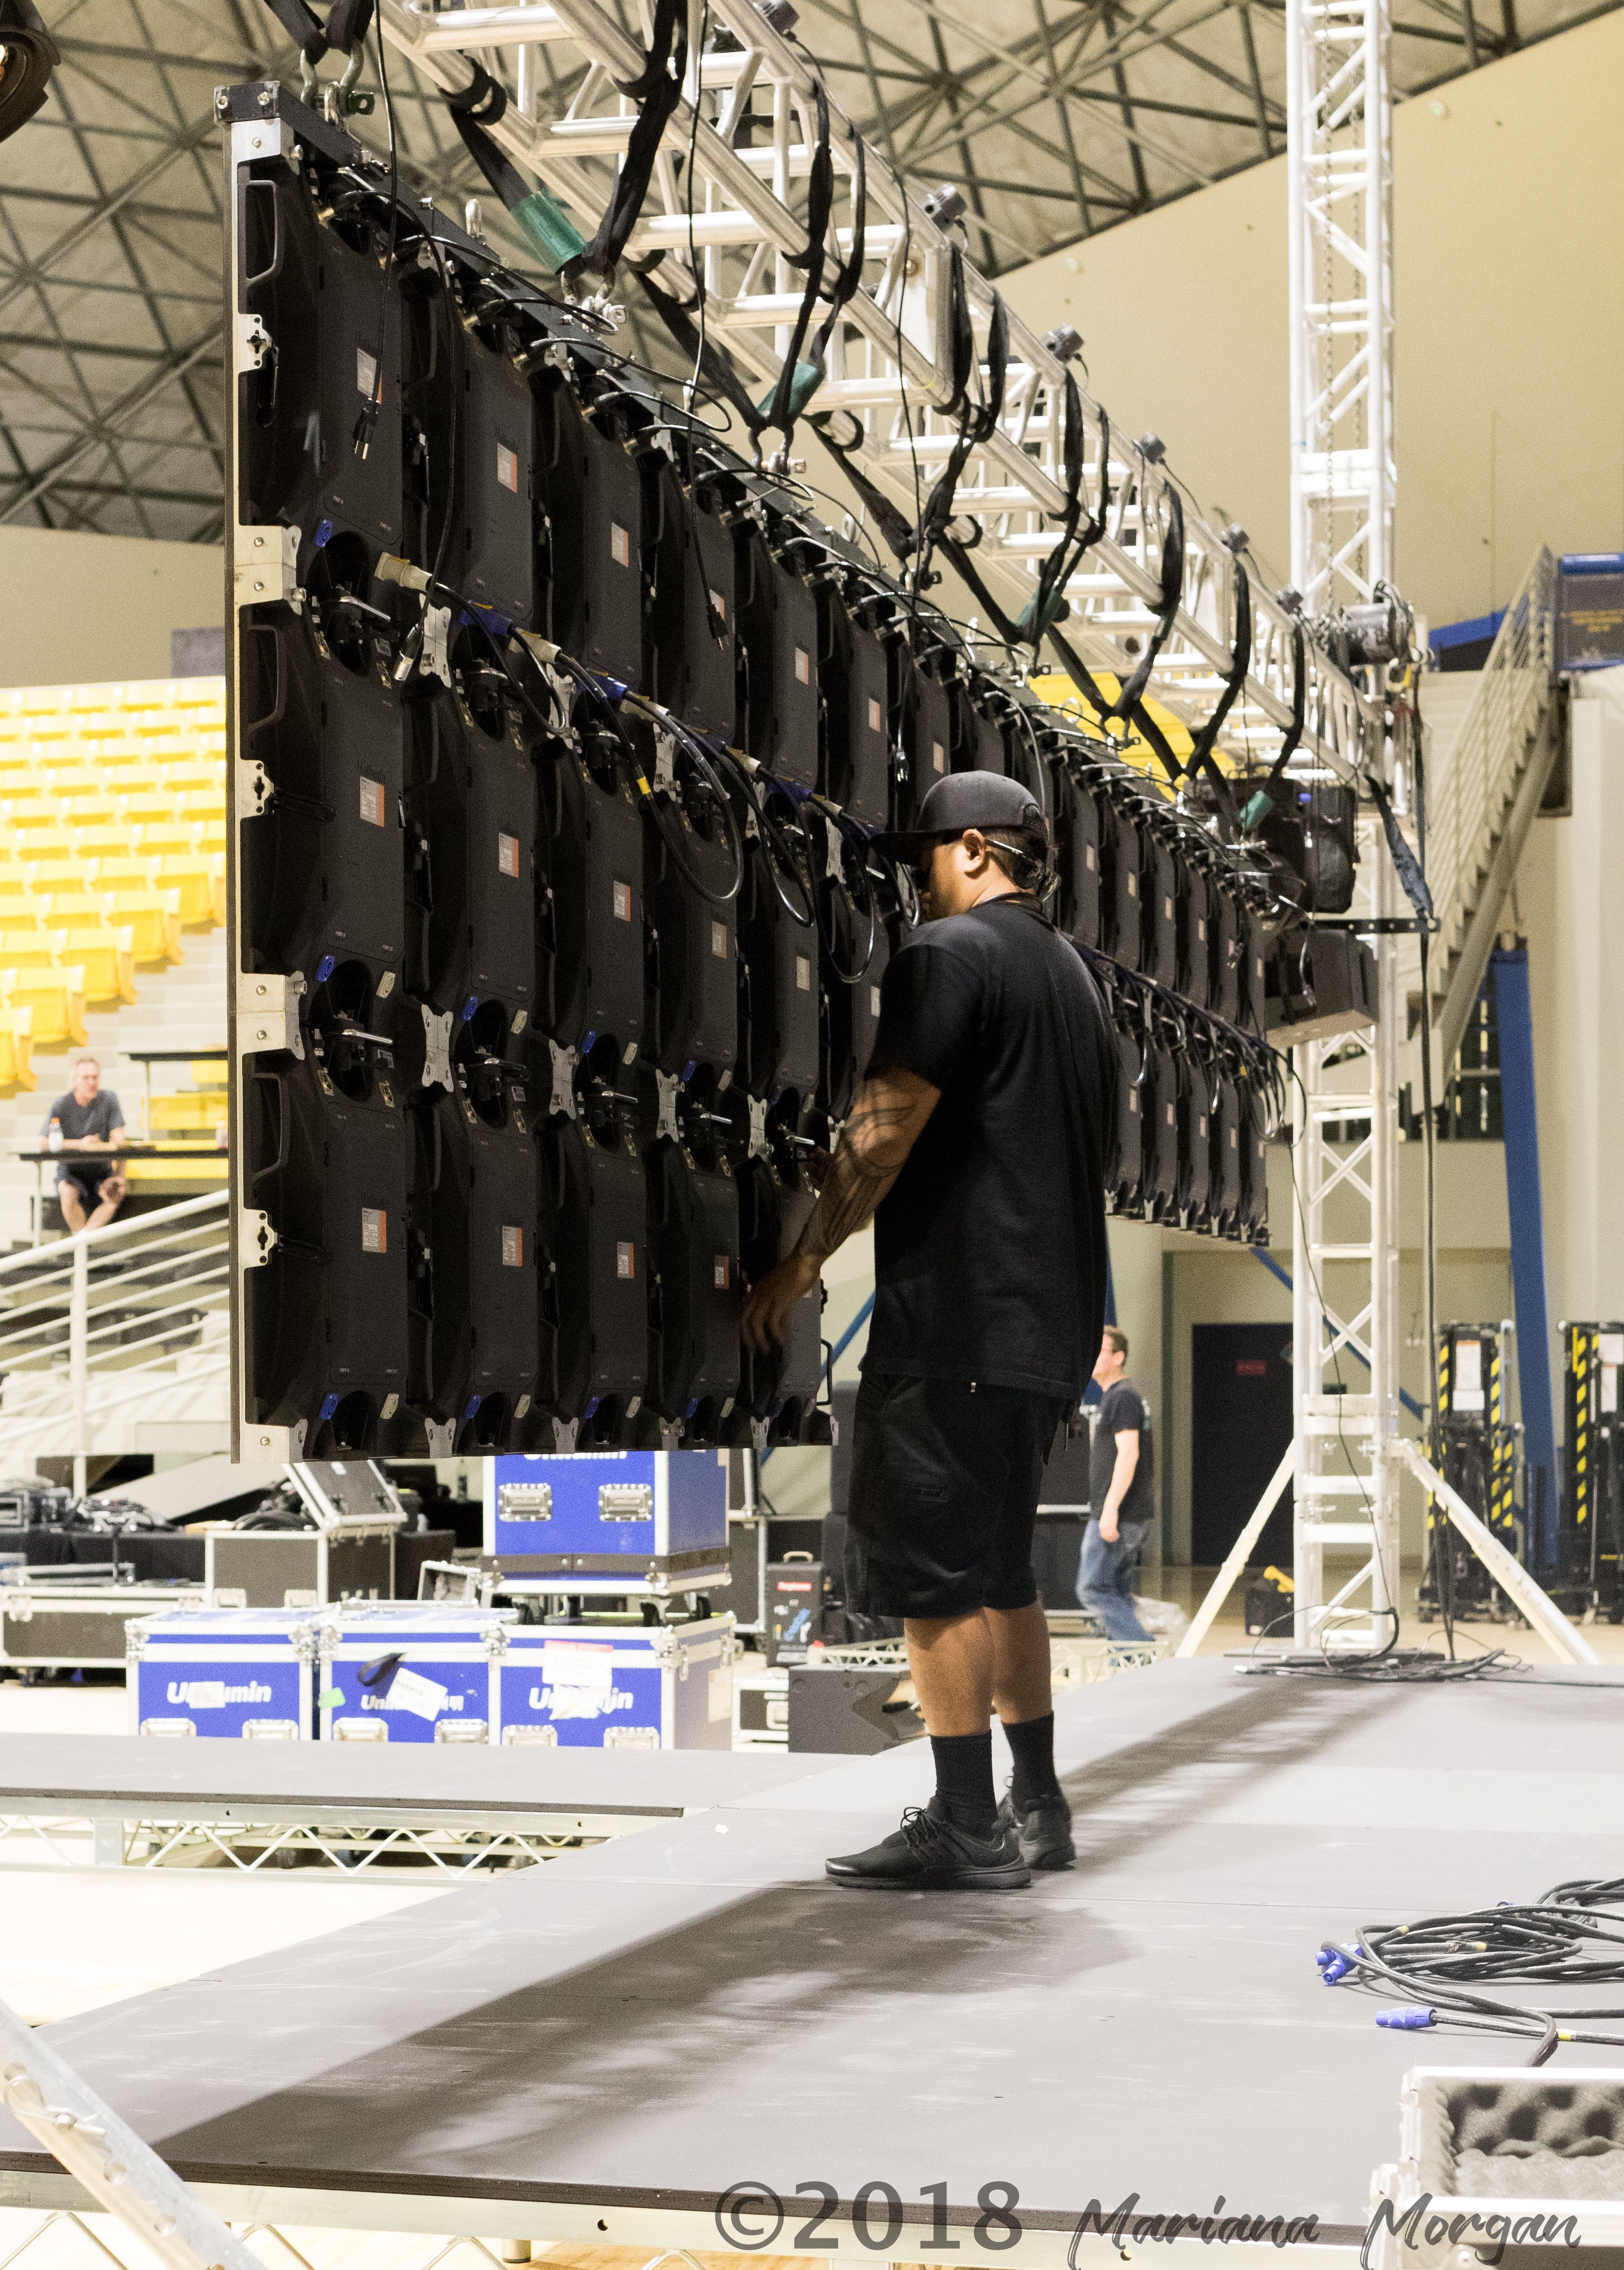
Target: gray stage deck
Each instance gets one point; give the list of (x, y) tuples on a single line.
[(105, 1772), (645, 2024)]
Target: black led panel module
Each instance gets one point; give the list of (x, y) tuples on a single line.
[(778, 955), (1077, 852), (854, 678), (588, 894), (923, 718), (474, 1211), (777, 662), (494, 481), (853, 965), (1158, 1103), (470, 803), (1124, 1161), (780, 1387), (691, 880), (693, 1344), (324, 1154), (1195, 1142), (1195, 954), (1163, 880), (1253, 1014), (1121, 920), (595, 1280), (589, 492), (322, 863), (1229, 1168), (316, 283), (1224, 932), (688, 629), (1254, 1213)]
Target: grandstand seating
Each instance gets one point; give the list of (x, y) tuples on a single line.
[(112, 845)]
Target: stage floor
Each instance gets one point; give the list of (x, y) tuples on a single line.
[(609, 2044)]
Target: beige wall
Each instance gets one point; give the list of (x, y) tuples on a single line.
[(1510, 247), (81, 609)]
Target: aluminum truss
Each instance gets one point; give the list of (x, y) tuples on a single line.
[(1345, 1300), (726, 213), (1339, 203)]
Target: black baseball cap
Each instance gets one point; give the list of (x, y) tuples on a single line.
[(961, 800)]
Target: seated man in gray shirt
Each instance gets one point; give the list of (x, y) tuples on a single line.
[(89, 1188)]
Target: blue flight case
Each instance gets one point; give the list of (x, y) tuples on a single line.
[(409, 1671), (596, 1686), (601, 1522), (244, 1672)]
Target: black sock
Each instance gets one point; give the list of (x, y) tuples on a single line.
[(964, 1780), (1032, 1745)]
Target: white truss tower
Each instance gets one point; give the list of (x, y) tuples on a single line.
[(1345, 1303), (1339, 177), (1345, 1260)]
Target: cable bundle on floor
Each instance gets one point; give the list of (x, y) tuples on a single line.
[(1572, 1936), (1394, 1666)]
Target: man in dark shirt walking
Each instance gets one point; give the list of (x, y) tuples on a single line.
[(974, 1144), (90, 1186), (1121, 1504)]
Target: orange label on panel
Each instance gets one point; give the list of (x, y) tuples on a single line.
[(802, 666), (372, 801), (625, 1258), (623, 903), (875, 720), (508, 467), (512, 1245), (719, 940), (619, 544), (375, 1230), (508, 855), (721, 1273)]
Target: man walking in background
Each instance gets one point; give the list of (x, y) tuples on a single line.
[(1121, 1470), (85, 1125)]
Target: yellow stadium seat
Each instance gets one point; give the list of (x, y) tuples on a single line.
[(123, 752), (196, 772), (211, 837), (148, 804), (203, 804), (18, 913), (105, 958), (173, 840), (187, 1114), (191, 874), (46, 877), (107, 839), (30, 812), (152, 919), (55, 1000), (36, 843), (97, 809), (209, 1072), (16, 1048), (27, 949), (217, 894), (126, 870)]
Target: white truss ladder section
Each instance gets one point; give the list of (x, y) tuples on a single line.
[(1345, 1307), (1483, 788), (740, 220), (1339, 177)]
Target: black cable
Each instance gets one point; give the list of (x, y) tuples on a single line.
[(367, 423), (1573, 1935)]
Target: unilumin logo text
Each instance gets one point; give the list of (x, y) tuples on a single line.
[(580, 1702), (211, 1694), (383, 1703)]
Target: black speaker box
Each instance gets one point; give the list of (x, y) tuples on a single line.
[(780, 1386), (923, 713), (845, 1713), (1163, 881), (1121, 920), (1228, 1167), (1077, 853), (1195, 1142), (852, 974), (691, 992), (778, 956), (1194, 955), (1158, 1103)]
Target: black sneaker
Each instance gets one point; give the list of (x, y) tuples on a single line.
[(929, 1853), (1042, 1830)]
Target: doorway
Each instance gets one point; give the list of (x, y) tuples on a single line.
[(1240, 1426)]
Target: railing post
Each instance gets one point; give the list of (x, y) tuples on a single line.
[(79, 1329)]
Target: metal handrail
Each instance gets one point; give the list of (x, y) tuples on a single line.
[(1470, 795), (95, 1317)]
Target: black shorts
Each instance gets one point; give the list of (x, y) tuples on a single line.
[(944, 1480), (86, 1180)]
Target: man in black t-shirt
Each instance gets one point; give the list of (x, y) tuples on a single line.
[(90, 1186), (1121, 1504), (974, 1146)]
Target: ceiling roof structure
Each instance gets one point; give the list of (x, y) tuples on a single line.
[(1054, 118)]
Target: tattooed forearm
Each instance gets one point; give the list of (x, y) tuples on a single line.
[(850, 1198), (884, 1123)]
